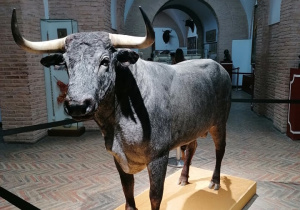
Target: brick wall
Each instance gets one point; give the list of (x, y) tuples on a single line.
[(91, 15), (278, 47), (22, 86), (22, 89)]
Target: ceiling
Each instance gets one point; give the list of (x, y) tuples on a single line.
[(204, 13)]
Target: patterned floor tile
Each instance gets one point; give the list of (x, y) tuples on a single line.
[(78, 173)]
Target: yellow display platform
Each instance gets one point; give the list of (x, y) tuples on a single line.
[(234, 193)]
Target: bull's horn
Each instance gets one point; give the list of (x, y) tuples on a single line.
[(57, 45), (124, 41)]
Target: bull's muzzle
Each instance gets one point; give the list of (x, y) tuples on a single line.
[(79, 109)]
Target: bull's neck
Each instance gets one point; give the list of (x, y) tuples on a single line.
[(105, 114)]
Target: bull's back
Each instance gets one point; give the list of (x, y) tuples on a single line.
[(200, 98)]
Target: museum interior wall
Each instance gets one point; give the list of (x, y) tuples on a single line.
[(231, 17), (277, 50), (22, 85), (164, 21), (23, 88)]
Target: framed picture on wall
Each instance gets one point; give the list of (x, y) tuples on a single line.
[(191, 45), (211, 35)]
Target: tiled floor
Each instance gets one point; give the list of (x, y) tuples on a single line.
[(77, 173)]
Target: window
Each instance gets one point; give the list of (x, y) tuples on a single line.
[(113, 14), (274, 11)]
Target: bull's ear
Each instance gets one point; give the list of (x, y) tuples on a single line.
[(127, 57), (51, 60)]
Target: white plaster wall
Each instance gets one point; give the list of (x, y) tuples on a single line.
[(248, 6), (172, 45)]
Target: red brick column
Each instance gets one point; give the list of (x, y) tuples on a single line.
[(22, 89), (278, 47)]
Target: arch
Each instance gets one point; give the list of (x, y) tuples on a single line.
[(229, 15), (197, 21), (169, 22)]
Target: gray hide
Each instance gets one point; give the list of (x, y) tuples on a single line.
[(144, 109), (182, 103)]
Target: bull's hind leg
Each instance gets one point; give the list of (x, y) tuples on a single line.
[(218, 134), (190, 151), (127, 181)]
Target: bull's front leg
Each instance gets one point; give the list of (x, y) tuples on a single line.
[(127, 181), (157, 173)]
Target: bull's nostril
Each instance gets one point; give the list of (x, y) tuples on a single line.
[(66, 110), (90, 106), (66, 107)]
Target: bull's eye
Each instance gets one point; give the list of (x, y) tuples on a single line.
[(104, 65), (105, 62)]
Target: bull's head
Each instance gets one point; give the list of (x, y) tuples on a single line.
[(166, 35), (89, 59)]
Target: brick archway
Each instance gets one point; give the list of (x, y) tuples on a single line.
[(230, 15)]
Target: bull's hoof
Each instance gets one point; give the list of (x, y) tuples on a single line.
[(212, 184), (183, 181), (127, 207), (130, 208)]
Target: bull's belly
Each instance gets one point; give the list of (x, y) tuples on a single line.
[(186, 132), (180, 138), (133, 160)]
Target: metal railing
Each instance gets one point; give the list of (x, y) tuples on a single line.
[(35, 127)]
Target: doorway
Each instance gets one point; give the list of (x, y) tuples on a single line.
[(196, 25), (53, 29)]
